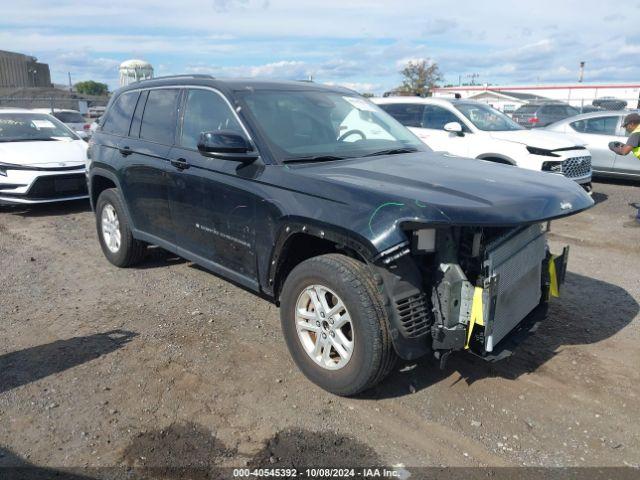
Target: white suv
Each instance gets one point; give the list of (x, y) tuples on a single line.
[(473, 129)]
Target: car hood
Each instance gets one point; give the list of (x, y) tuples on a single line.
[(444, 189), (538, 138), (48, 153)]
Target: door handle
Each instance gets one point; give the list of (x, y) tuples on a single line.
[(180, 164), (125, 151)]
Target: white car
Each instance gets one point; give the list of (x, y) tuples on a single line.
[(71, 118), (472, 129), (41, 159)]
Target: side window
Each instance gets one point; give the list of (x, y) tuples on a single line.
[(119, 116), (408, 114), (159, 118), (578, 126), (437, 117), (601, 125), (205, 111)]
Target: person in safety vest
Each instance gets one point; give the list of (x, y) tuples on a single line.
[(631, 123)]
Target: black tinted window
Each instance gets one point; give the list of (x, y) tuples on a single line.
[(408, 114), (527, 109), (159, 118), (119, 117), (598, 126), (205, 111), (437, 117)]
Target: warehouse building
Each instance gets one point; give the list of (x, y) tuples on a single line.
[(22, 71), (577, 94)]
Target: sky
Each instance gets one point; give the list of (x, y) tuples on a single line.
[(356, 43)]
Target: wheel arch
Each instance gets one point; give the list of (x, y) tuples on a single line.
[(299, 242)]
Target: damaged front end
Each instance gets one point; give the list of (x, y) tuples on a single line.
[(469, 288)]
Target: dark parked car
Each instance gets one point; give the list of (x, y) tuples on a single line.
[(372, 245), (542, 114)]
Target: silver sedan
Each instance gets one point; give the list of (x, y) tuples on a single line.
[(596, 130)]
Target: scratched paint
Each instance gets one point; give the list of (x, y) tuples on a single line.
[(380, 207)]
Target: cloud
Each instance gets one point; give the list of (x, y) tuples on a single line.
[(360, 42)]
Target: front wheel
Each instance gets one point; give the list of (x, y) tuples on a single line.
[(335, 324)]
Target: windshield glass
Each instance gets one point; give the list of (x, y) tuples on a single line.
[(487, 118), (25, 127), (313, 123)]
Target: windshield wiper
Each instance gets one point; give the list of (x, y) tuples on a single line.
[(392, 151), (314, 158)]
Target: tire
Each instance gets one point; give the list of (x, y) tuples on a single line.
[(371, 356), (127, 251)]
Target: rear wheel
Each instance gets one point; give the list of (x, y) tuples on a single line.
[(335, 324), (114, 231)]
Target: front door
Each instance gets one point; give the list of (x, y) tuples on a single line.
[(210, 199), (597, 132), (432, 131)]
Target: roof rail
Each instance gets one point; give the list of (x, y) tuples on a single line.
[(185, 75)]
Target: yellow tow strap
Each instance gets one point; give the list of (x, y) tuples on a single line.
[(553, 278), (477, 315)]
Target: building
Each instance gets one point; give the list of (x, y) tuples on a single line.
[(576, 94), (134, 70), (507, 102), (22, 71)]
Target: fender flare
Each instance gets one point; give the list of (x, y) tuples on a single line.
[(106, 173)]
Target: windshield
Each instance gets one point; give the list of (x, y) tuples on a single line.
[(27, 127), (487, 118), (318, 125)]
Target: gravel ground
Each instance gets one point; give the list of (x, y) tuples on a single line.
[(166, 365)]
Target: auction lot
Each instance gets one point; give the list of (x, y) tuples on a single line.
[(166, 365)]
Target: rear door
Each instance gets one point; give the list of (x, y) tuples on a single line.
[(145, 163), (627, 164), (597, 132), (210, 199)]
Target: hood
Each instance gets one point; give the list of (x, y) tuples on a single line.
[(430, 187), (49, 153), (538, 138)]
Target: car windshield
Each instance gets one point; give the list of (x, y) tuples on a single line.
[(323, 125), (32, 127), (487, 118)]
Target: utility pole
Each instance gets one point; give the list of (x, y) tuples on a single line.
[(70, 87), (581, 75), (473, 77)]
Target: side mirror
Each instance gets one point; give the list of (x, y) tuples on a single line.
[(454, 127), (226, 145)]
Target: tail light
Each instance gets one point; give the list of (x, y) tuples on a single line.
[(533, 120), (87, 126)]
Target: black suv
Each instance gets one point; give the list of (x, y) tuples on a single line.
[(372, 245)]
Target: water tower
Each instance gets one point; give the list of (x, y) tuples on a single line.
[(134, 70)]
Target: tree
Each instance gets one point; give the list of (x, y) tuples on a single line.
[(90, 87), (420, 77)]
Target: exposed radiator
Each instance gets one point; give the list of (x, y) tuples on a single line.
[(517, 262)]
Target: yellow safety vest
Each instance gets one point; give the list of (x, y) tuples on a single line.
[(636, 150)]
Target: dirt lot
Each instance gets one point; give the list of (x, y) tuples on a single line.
[(166, 365)]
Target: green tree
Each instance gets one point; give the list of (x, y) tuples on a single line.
[(419, 77), (90, 87)]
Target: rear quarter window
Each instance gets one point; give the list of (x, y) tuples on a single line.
[(118, 118)]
